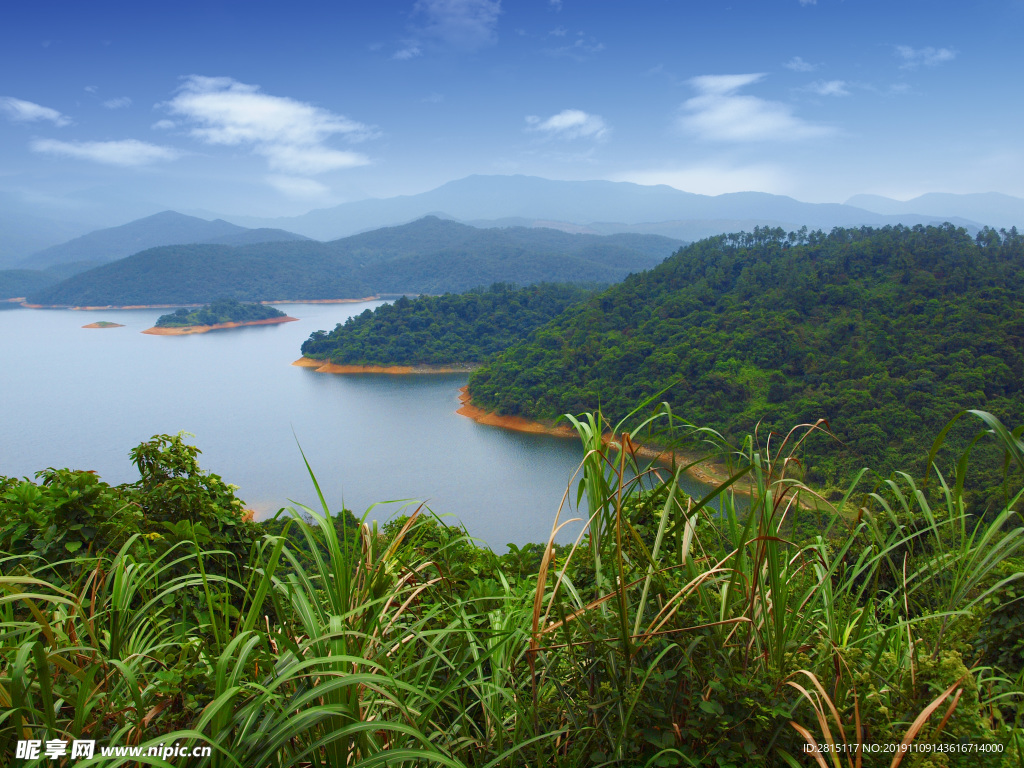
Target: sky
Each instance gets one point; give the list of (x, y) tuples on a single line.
[(257, 108)]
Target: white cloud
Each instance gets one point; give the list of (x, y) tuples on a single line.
[(712, 179), (556, 5), (91, 88), (163, 125), (799, 65), (309, 160), (128, 152), (411, 51), (718, 113), (808, 2), (828, 88), (298, 187), (22, 111), (930, 57), (582, 49), (570, 124), (119, 103), (464, 24), (289, 133)]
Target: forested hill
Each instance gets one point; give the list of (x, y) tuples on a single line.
[(216, 312), (426, 256), (442, 330), (886, 333)]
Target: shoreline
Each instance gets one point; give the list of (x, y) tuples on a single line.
[(704, 471), (171, 306), (321, 366), (103, 324), (185, 330)]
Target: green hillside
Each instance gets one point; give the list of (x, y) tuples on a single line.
[(426, 256), (21, 282), (886, 333), (440, 330)]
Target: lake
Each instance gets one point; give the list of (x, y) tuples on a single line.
[(81, 398)]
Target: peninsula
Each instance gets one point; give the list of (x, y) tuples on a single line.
[(220, 314)]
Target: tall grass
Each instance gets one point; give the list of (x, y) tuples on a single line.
[(673, 632)]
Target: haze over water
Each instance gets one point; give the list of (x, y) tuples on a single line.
[(83, 398)]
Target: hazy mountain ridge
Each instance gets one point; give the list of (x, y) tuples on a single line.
[(427, 256), (586, 207), (166, 228), (596, 206), (991, 208)]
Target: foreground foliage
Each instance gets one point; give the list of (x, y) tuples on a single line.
[(666, 636)]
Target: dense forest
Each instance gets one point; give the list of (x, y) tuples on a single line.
[(158, 613), (886, 333), (426, 256), (220, 311), (18, 283), (441, 330)]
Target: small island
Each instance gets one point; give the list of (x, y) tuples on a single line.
[(223, 313), (103, 324)]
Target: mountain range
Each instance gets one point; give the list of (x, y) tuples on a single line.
[(31, 238), (166, 228), (602, 207), (429, 255)]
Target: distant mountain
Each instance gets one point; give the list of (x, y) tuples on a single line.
[(167, 228), (600, 206), (18, 283), (430, 255), (22, 234), (253, 236), (990, 208)]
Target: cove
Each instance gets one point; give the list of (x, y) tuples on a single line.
[(81, 399)]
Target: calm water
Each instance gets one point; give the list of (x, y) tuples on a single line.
[(82, 398)]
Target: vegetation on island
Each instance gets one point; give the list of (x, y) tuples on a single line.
[(104, 324), (216, 312), (152, 613), (886, 333), (443, 330), (426, 256)]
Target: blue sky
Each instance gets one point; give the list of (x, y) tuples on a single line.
[(254, 107)]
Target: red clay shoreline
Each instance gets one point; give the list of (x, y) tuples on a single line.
[(704, 471), (321, 366), (185, 330)]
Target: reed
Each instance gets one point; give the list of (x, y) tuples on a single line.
[(675, 631)]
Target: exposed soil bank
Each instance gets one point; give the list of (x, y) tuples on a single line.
[(516, 423), (103, 324), (189, 329), (705, 471), (400, 370), (170, 306)]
